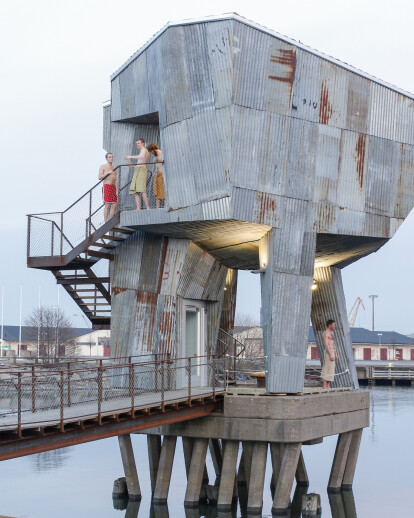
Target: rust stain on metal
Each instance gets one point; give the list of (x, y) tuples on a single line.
[(164, 247), (287, 58), (325, 109), (267, 207), (146, 319), (117, 291), (360, 151)]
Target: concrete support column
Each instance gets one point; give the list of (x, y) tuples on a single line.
[(276, 454), (162, 484), (286, 476), (228, 475), (196, 472), (247, 462), (154, 452), (130, 468), (287, 254), (216, 456), (351, 462), (339, 462), (328, 302), (256, 479), (188, 444), (301, 473)]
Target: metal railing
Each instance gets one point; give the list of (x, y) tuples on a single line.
[(232, 349), (391, 373), (35, 398), (57, 233)]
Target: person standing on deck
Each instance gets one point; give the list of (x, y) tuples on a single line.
[(138, 185), (158, 186), (110, 186), (330, 356)]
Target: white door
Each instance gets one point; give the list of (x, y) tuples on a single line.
[(195, 341)]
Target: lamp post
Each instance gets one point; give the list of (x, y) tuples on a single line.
[(373, 297)]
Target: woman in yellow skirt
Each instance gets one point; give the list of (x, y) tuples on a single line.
[(158, 185), (138, 185)]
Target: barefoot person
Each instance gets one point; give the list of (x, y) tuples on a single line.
[(110, 186), (328, 370), (138, 185), (158, 185)]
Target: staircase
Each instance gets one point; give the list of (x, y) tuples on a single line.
[(58, 243)]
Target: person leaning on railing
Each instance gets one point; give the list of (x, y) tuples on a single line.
[(158, 185), (138, 185)]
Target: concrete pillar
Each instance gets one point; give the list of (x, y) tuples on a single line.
[(188, 444), (256, 479), (216, 456), (286, 476), (162, 484), (339, 461), (337, 505), (132, 509), (349, 504), (241, 472), (196, 472), (228, 475), (301, 473), (247, 461), (276, 454), (130, 468), (351, 462), (154, 452), (287, 254), (328, 302)]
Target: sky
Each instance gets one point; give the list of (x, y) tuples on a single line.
[(56, 60)]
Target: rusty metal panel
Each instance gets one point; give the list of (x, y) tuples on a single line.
[(209, 173), (127, 263), (127, 89), (164, 338), (307, 87), (333, 95), (280, 72), (404, 131), (179, 162), (383, 108), (405, 194), (106, 140), (175, 91), (327, 164), (214, 310), (352, 168), (173, 265), (382, 176), (123, 330), (224, 131), (216, 209), (141, 80), (376, 225), (251, 50), (145, 320), (359, 92), (115, 100), (219, 37), (154, 75), (242, 203), (350, 222), (216, 282), (195, 273), (151, 262), (202, 95)]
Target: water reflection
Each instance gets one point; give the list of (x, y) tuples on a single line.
[(50, 460), (342, 504)]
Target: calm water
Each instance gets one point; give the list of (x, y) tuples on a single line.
[(78, 481)]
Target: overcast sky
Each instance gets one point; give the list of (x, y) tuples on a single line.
[(56, 59)]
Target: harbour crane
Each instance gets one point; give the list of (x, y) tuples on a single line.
[(354, 311)]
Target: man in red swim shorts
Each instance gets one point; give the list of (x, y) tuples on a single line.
[(110, 186)]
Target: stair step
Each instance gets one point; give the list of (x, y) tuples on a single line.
[(90, 297), (100, 255), (92, 280), (122, 230), (103, 245), (113, 238), (95, 304)]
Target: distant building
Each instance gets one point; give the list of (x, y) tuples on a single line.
[(366, 345), (84, 342)]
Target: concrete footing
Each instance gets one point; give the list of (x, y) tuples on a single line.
[(238, 440)]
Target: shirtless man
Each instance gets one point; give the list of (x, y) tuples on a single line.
[(110, 186), (328, 370), (138, 185)]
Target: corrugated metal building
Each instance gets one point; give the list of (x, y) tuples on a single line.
[(277, 158)]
